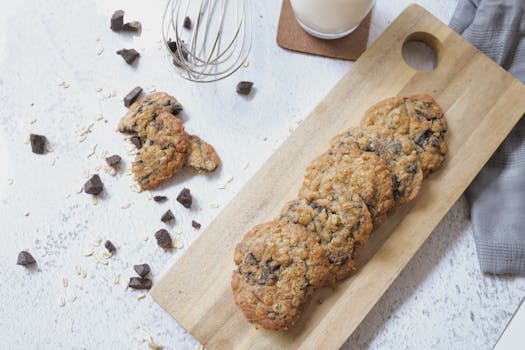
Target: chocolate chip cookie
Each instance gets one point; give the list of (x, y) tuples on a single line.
[(202, 156), (339, 226), (420, 118), (340, 173), (146, 109), (399, 153), (163, 153), (279, 267)]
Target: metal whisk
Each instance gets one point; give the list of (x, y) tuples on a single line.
[(217, 43)]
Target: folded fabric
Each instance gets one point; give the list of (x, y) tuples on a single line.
[(497, 195)]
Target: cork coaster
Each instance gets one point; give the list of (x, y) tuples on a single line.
[(291, 36)]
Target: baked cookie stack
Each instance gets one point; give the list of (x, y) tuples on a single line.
[(164, 146), (367, 172)]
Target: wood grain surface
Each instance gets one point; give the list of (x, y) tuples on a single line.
[(482, 103)]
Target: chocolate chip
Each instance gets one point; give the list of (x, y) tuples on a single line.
[(25, 258), (160, 199), (412, 168), (422, 114), (395, 147), (195, 225), (172, 46), (139, 283), (94, 185), (184, 198), (110, 247), (38, 143), (167, 217), (129, 55), (244, 87), (163, 239), (250, 259), (117, 20), (132, 26), (113, 160), (142, 270), (132, 96), (395, 186), (136, 141), (187, 23), (422, 137)]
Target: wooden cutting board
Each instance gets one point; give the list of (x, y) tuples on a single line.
[(482, 103)]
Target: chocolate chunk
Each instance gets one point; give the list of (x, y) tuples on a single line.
[(412, 168), (195, 224), (117, 20), (110, 247), (160, 199), (184, 198), (132, 26), (139, 283), (395, 186), (25, 258), (94, 185), (250, 259), (172, 46), (142, 270), (113, 160), (187, 23), (164, 239), (132, 96), (38, 143), (136, 141), (244, 87), (167, 217), (129, 55), (422, 137)]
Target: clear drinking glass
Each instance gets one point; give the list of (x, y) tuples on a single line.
[(330, 19)]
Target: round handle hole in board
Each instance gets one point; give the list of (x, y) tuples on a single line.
[(421, 51)]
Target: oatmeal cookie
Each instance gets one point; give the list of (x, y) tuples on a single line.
[(279, 267), (399, 153), (420, 118), (163, 153), (202, 156), (338, 226), (339, 173), (146, 109)]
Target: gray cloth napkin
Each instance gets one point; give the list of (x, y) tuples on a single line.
[(497, 195)]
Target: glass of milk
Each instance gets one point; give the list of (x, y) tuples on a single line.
[(330, 19)]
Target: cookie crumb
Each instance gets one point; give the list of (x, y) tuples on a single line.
[(72, 296), (214, 205), (65, 282), (99, 50), (87, 252), (94, 200), (141, 296), (125, 205), (61, 300), (116, 279)]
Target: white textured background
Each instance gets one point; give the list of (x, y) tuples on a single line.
[(440, 301)]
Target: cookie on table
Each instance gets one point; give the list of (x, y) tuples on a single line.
[(164, 152), (340, 173), (279, 267), (146, 109), (420, 118), (202, 156), (399, 153), (338, 226)]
